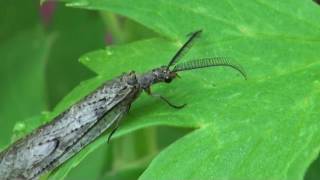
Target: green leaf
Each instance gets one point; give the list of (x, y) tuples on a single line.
[(268, 133), (263, 128), (242, 122)]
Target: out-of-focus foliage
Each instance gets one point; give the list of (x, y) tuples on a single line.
[(24, 48)]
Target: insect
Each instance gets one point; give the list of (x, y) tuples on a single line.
[(55, 142)]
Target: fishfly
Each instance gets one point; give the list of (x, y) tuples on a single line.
[(55, 142)]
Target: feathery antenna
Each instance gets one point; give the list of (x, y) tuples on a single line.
[(184, 49), (208, 62)]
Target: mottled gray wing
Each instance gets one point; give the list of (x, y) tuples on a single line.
[(52, 140), (111, 118)]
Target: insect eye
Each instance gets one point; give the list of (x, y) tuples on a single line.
[(167, 79)]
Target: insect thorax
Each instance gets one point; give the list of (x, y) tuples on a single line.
[(154, 76)]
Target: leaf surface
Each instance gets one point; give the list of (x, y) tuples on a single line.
[(263, 128)]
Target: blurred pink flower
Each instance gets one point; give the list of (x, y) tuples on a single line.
[(46, 11), (108, 38)]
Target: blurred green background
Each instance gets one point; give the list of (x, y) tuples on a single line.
[(39, 48)]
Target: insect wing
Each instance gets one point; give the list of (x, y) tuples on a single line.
[(111, 119), (37, 151)]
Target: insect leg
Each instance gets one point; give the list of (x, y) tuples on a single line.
[(165, 99), (113, 131), (117, 123)]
